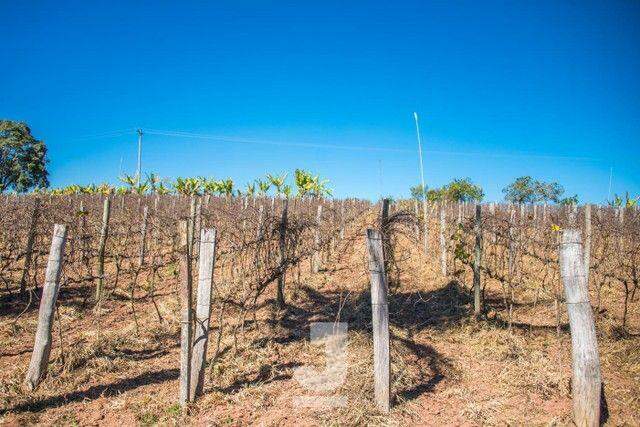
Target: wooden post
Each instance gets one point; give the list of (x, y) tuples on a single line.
[(185, 319), (477, 302), (342, 219), (203, 309), (42, 345), (104, 233), (586, 381), (416, 212), (587, 241), (443, 243), (260, 216), (283, 255), (315, 267), (425, 225), (143, 236), (28, 252), (380, 318)]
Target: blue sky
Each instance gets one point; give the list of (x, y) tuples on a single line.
[(503, 89)]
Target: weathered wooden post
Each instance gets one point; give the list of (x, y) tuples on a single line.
[(586, 381), (443, 243), (260, 216), (28, 251), (425, 225), (185, 318), (477, 297), (342, 219), (42, 345), (587, 241), (283, 255), (416, 212), (143, 236), (380, 318), (315, 259), (203, 309), (104, 233)]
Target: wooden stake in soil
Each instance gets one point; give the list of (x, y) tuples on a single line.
[(42, 345), (283, 254), (185, 309), (29, 248), (477, 302), (315, 267), (443, 243), (587, 241), (104, 233), (380, 314), (586, 380), (203, 309)]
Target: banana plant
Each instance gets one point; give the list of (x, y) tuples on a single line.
[(134, 184), (277, 181), (263, 187), (104, 189), (187, 186), (225, 187), (250, 189), (209, 186)]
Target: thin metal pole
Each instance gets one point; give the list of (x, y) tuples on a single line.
[(415, 116), (424, 189), (610, 179)]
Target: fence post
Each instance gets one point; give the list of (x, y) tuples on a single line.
[(316, 254), (42, 345), (185, 308), (283, 256), (425, 234), (380, 318), (477, 302), (443, 243), (586, 381), (587, 241), (206, 264), (143, 236), (29, 248), (342, 219), (104, 233)]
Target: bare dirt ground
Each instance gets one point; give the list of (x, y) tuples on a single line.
[(447, 369)]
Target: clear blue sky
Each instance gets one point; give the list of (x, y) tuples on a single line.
[(547, 88)]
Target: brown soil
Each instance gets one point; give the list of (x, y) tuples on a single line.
[(447, 369)]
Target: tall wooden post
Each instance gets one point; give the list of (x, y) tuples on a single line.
[(443, 243), (28, 252), (42, 345), (587, 241), (143, 236), (185, 318), (477, 297), (380, 318), (104, 233), (425, 224), (315, 267), (586, 381), (283, 255), (203, 309)]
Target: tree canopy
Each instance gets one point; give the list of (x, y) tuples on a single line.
[(23, 158), (528, 190)]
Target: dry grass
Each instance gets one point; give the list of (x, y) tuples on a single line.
[(446, 367)]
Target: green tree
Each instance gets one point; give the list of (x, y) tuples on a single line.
[(463, 190), (527, 190), (418, 192), (573, 200), (522, 190), (23, 159)]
